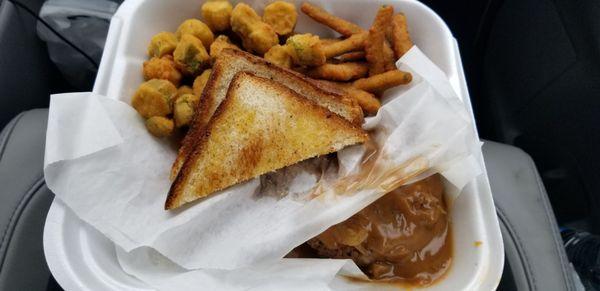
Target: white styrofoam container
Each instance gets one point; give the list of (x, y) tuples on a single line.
[(81, 258)]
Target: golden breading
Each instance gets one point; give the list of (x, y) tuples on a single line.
[(376, 40), (161, 68), (153, 98), (355, 42), (184, 109), (200, 82), (306, 50), (217, 14), (340, 25), (220, 43), (339, 72), (280, 55), (196, 28), (190, 55), (163, 43), (282, 16), (160, 126), (367, 101), (381, 82), (185, 89), (398, 35), (352, 56), (256, 35)]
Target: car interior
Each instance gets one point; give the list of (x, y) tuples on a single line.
[(533, 74)]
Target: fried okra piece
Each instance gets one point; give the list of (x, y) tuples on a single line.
[(280, 55), (306, 50), (256, 35), (184, 108), (163, 43), (190, 55), (282, 16), (221, 42), (185, 89), (160, 126), (161, 68), (200, 82), (196, 28), (153, 98), (217, 13)]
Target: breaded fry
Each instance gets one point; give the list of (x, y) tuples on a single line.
[(376, 40), (163, 43), (184, 109), (340, 25), (352, 56), (306, 50), (161, 68), (381, 82), (339, 72), (398, 35), (217, 13), (190, 55), (282, 16), (326, 41), (366, 100), (196, 28), (354, 42), (153, 98), (200, 82), (257, 36), (280, 55), (160, 126), (389, 60), (221, 42)]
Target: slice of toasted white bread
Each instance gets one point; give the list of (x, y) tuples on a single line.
[(230, 62), (260, 127)]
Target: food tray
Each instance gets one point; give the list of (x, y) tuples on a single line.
[(81, 258)]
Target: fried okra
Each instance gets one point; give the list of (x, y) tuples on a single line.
[(217, 13), (161, 44), (196, 28), (153, 98), (279, 55), (200, 82), (184, 108), (190, 55), (221, 42), (282, 16), (257, 36), (160, 126), (162, 68)]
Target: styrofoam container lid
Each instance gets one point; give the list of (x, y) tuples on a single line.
[(81, 258)]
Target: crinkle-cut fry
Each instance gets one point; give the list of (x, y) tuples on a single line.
[(367, 101), (381, 82), (344, 27), (374, 45), (339, 72), (354, 42), (352, 56), (398, 35)]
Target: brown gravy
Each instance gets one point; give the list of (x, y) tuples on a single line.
[(404, 237)]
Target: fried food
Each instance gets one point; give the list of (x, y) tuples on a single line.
[(353, 43), (382, 82), (352, 56), (281, 16), (163, 43), (280, 55), (161, 68), (217, 13), (190, 55), (184, 108), (160, 126), (196, 28), (389, 60), (376, 40), (200, 82), (153, 98), (245, 143), (339, 72), (367, 101), (338, 24), (185, 89), (256, 35), (306, 50), (398, 35), (221, 42)]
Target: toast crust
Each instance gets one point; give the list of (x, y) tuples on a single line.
[(209, 103), (256, 147)]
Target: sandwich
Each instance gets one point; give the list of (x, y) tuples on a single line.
[(260, 126), (228, 63)]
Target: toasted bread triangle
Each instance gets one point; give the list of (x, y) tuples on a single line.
[(230, 62), (260, 127)]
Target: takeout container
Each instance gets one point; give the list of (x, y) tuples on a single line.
[(81, 258)]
